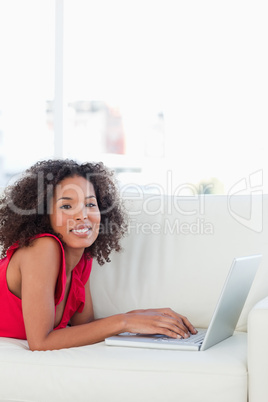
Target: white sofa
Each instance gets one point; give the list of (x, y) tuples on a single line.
[(177, 255)]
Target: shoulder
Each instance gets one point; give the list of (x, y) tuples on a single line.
[(43, 244), (46, 241), (43, 251)]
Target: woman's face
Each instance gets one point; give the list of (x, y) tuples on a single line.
[(75, 213)]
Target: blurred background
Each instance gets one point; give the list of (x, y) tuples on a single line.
[(171, 94)]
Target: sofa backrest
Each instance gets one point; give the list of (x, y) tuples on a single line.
[(178, 253)]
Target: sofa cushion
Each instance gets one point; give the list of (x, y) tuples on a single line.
[(129, 374)]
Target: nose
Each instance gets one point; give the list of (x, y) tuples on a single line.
[(81, 214), (81, 218)]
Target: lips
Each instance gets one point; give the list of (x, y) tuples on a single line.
[(81, 230)]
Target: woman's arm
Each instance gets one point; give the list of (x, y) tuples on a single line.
[(142, 321), (39, 266)]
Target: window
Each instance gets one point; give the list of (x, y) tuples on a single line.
[(26, 82), (170, 93)]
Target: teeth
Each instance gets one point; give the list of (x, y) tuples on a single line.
[(80, 230)]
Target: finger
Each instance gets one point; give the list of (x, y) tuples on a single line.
[(176, 326), (170, 334), (184, 319), (178, 320), (174, 332), (190, 326)]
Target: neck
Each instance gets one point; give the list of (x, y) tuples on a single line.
[(72, 258)]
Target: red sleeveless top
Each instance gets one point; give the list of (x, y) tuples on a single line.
[(11, 317)]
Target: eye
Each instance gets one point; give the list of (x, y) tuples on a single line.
[(65, 206), (90, 205)]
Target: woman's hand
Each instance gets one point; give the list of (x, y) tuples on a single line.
[(162, 321)]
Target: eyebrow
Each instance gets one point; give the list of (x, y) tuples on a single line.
[(70, 198)]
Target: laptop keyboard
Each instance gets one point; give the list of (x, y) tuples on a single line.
[(197, 338)]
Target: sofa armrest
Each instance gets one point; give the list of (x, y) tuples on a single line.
[(258, 352)]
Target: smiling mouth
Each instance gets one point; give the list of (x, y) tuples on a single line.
[(81, 231)]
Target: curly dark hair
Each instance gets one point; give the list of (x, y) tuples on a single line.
[(24, 206)]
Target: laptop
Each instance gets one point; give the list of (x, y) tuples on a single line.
[(223, 321)]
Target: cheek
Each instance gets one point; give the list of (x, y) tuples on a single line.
[(59, 219), (96, 222), (96, 218)]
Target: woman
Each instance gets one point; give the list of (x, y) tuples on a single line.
[(53, 222)]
